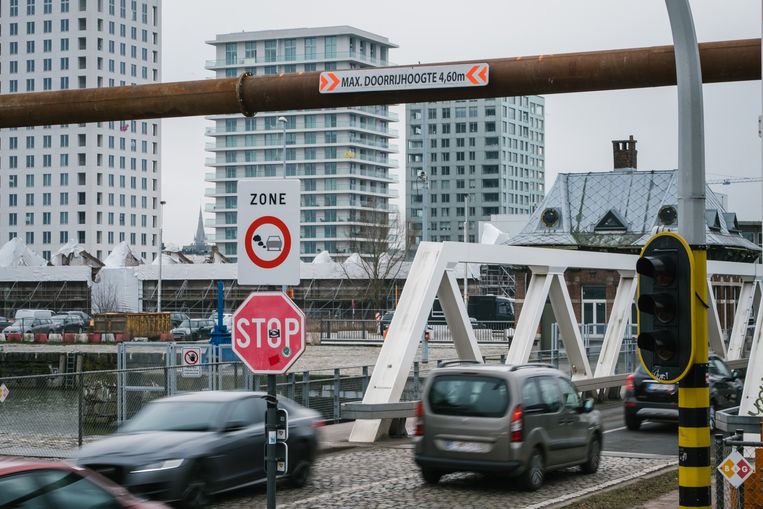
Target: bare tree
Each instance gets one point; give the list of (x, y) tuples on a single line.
[(104, 297), (381, 246)]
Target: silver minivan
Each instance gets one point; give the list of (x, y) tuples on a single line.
[(521, 420)]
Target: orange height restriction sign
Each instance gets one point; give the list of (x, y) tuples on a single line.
[(405, 78)]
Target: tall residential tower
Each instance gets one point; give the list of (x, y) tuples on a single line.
[(341, 155), (484, 154), (95, 184)]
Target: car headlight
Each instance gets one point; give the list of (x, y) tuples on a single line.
[(159, 465)]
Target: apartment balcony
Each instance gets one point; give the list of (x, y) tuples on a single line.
[(316, 126)]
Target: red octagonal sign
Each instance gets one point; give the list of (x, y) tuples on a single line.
[(268, 332)]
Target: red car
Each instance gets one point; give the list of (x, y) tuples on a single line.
[(26, 484)]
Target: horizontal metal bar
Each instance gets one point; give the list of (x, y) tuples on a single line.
[(723, 61), (358, 410)]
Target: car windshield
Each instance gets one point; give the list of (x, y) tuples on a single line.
[(478, 396), (185, 323), (176, 416), (718, 368)]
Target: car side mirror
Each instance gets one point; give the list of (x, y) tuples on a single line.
[(734, 374), (586, 406)]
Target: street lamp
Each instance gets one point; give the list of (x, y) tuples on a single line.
[(161, 249), (424, 179), (283, 138), (466, 239)]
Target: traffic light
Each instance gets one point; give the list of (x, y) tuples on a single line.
[(666, 307)]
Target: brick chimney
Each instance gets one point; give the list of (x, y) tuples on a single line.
[(625, 153)]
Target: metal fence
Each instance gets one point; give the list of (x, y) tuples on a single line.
[(49, 415), (371, 332), (749, 494)]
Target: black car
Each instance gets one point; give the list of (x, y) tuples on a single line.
[(67, 323), (647, 399), (188, 447)]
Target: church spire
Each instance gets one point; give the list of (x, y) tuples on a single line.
[(200, 238)]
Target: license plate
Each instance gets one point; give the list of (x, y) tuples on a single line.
[(458, 446), (661, 388)]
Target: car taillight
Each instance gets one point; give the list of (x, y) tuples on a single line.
[(629, 386), (516, 424), (419, 419), (318, 423)]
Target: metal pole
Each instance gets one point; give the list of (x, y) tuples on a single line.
[(694, 470), (271, 423), (161, 249), (466, 239), (81, 390), (424, 174), (283, 153), (539, 74)]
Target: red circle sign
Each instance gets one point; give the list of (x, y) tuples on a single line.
[(268, 332), (278, 260)]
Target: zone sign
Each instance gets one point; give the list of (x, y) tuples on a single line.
[(268, 231), (268, 332)]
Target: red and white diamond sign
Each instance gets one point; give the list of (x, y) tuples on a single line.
[(736, 469)]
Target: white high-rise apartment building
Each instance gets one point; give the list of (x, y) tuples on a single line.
[(341, 155), (96, 184)]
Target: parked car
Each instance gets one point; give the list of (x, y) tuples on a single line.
[(40, 485), (30, 325), (188, 447), (648, 399), (193, 329), (177, 318), (67, 323), (521, 420), (84, 317)]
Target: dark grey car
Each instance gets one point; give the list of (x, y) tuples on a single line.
[(186, 448), (518, 420)]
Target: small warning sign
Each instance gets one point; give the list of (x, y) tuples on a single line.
[(736, 469), (3, 393), (191, 362)]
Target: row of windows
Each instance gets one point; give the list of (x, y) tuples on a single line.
[(63, 162), (489, 141), (47, 142), (326, 120), (63, 218), (309, 49), (47, 8), (63, 238)]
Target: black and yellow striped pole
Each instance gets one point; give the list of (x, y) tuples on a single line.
[(694, 470)]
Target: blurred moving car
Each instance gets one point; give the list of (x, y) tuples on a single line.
[(521, 420), (648, 399), (31, 325), (193, 329), (67, 323), (27, 484), (186, 448)]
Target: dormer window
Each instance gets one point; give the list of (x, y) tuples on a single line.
[(611, 222), (550, 217), (667, 215), (712, 220)]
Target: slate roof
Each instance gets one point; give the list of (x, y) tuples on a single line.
[(618, 211)]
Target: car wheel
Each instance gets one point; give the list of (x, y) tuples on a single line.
[(196, 494), (430, 475), (532, 478), (632, 422), (594, 456), (300, 475)]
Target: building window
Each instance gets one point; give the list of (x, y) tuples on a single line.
[(594, 305)]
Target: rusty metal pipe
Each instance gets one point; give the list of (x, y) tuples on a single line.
[(724, 61)]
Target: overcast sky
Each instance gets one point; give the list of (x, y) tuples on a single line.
[(579, 127)]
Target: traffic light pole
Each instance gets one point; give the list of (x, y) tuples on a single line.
[(694, 471)]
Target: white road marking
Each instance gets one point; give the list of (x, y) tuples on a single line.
[(616, 429)]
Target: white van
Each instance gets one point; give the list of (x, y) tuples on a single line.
[(33, 313)]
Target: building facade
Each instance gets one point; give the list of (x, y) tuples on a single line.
[(484, 154), (96, 184), (341, 155)]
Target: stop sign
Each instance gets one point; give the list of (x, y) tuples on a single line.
[(268, 332)]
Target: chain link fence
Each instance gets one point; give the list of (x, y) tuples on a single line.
[(746, 466)]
